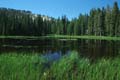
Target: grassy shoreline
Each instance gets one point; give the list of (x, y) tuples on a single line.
[(87, 37), (22, 67), (63, 37)]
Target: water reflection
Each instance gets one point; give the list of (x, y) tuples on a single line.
[(52, 56), (86, 48)]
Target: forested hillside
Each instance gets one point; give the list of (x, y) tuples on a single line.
[(99, 22)]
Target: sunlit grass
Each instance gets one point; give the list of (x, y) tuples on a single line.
[(86, 37), (71, 67), (63, 37)]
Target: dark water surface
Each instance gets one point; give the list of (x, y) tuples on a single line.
[(86, 48)]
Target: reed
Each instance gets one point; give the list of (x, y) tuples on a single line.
[(70, 67)]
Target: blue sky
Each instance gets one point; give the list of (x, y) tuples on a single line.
[(57, 8)]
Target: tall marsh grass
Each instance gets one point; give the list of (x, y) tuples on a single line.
[(70, 67)]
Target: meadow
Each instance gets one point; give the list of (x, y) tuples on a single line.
[(53, 36), (14, 66)]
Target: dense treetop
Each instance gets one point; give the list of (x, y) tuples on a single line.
[(99, 22)]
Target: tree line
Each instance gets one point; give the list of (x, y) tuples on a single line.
[(99, 22)]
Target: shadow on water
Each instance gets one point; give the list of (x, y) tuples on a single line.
[(93, 49)]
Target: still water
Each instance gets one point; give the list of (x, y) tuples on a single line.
[(86, 48)]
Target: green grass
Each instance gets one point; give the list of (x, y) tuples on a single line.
[(22, 37), (86, 37), (62, 37), (22, 67)]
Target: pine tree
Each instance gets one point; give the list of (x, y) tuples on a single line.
[(115, 16), (108, 21), (91, 22)]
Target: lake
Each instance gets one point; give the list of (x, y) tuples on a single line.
[(93, 49)]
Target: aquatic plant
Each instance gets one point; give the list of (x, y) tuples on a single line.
[(70, 67)]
